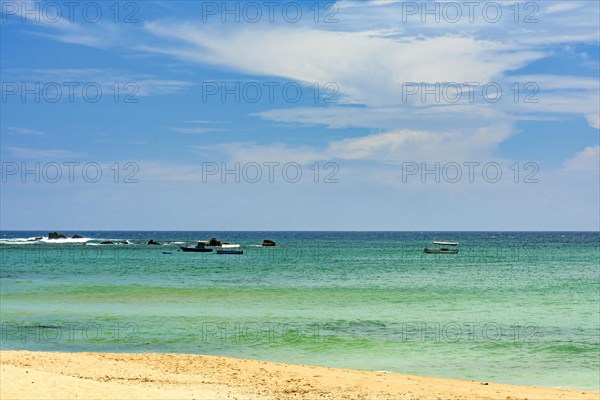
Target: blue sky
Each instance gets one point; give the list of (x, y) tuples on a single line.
[(202, 115)]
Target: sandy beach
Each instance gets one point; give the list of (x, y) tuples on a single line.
[(47, 375)]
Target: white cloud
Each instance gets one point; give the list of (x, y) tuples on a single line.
[(562, 7), (467, 116), (558, 82), (195, 130), (367, 67), (388, 148), (25, 131), (586, 160), (251, 152), (398, 146), (593, 120), (150, 87), (93, 34), (371, 68), (393, 146), (204, 121), (31, 153), (130, 85)]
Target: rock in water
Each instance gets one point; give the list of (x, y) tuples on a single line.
[(77, 237), (214, 242), (268, 243), (56, 235), (152, 241)]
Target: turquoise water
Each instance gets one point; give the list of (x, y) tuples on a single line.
[(512, 307)]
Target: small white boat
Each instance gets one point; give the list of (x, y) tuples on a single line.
[(230, 249), (441, 250), (446, 243)]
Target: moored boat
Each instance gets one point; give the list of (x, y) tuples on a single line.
[(445, 243), (230, 249), (201, 247), (442, 250)]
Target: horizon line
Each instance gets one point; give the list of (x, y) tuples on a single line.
[(272, 230)]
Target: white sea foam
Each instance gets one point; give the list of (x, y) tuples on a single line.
[(31, 240), (43, 239), (67, 240)]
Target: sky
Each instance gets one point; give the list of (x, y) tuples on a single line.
[(283, 115)]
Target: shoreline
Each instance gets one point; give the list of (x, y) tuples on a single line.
[(61, 375)]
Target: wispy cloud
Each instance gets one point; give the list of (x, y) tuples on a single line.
[(372, 66), (372, 72), (562, 7), (195, 130), (205, 121), (199, 129), (25, 131), (45, 21), (388, 148), (33, 153), (129, 83)]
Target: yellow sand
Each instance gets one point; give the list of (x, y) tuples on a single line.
[(42, 375)]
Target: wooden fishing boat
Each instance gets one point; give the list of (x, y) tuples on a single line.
[(230, 249), (201, 247), (440, 249)]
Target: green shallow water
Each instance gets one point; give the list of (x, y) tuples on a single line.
[(519, 308)]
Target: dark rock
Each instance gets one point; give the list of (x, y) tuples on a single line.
[(151, 241), (38, 238), (268, 243), (56, 235), (106, 242), (77, 237), (214, 242)]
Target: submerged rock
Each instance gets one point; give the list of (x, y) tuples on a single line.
[(106, 242), (152, 241), (76, 237)]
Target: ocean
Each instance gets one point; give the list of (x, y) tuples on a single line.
[(510, 307)]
